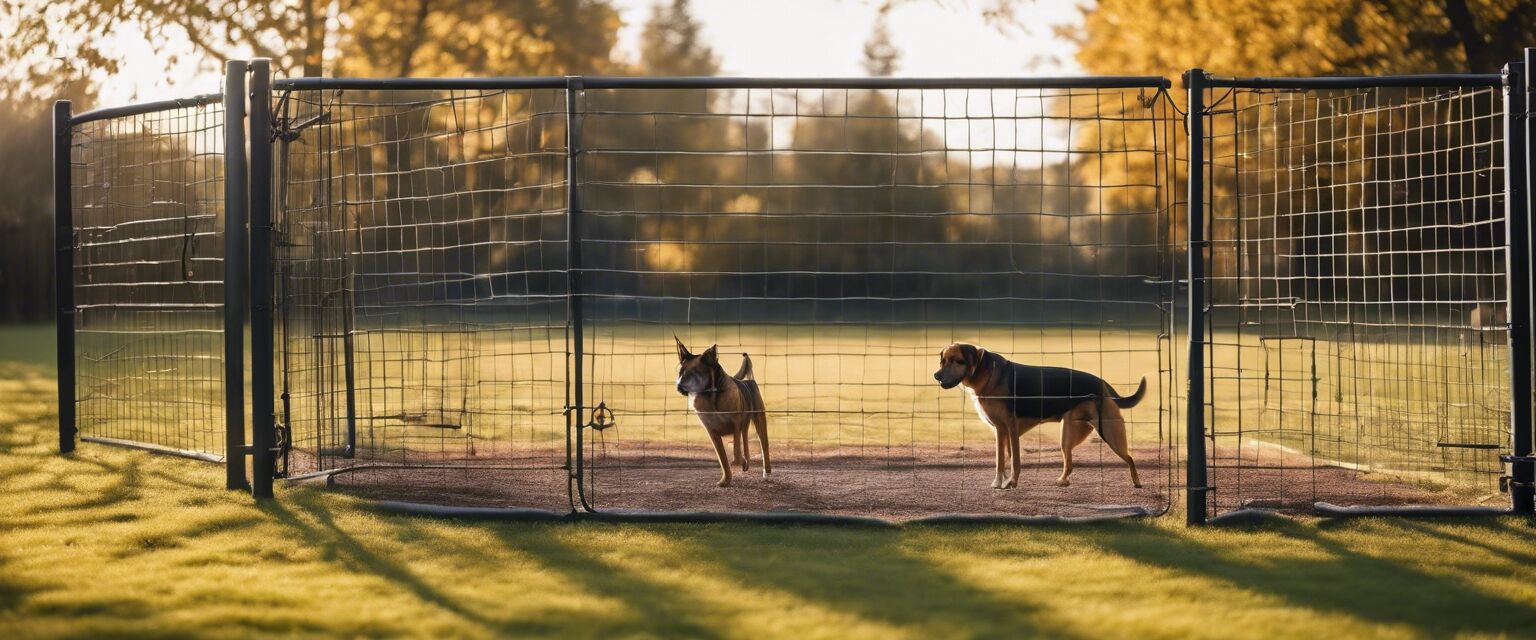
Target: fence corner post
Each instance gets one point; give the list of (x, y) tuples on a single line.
[(63, 271), (236, 268), (1517, 227), (263, 412), (574, 415), (1195, 463)]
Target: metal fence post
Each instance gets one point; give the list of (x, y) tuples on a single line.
[(235, 269), (574, 422), (1518, 269), (1195, 465), (263, 414), (64, 271)]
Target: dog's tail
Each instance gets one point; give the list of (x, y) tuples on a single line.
[(1126, 402), (745, 373)]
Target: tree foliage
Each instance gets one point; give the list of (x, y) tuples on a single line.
[(54, 41), (1303, 37)]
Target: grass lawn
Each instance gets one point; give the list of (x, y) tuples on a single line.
[(109, 542)]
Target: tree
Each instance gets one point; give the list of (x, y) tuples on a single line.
[(881, 57), (313, 37), (1305, 37), (672, 43)]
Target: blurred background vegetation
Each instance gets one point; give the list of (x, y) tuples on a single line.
[(51, 48)]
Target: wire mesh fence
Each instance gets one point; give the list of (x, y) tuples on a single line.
[(147, 196), (435, 332), (422, 281), (1357, 348), (534, 292), (841, 237)]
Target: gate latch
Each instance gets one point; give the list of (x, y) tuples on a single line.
[(602, 418)]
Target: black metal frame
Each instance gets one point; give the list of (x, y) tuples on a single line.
[(63, 272), (263, 414), (236, 265), (1517, 87)]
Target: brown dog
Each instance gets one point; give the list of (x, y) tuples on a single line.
[(725, 405), (1013, 398)]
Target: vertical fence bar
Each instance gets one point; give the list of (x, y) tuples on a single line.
[(1518, 269), (1195, 465), (263, 413), (64, 271), (235, 268), (574, 423)]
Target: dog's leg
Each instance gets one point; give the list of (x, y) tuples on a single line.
[(1014, 432), (760, 420), (725, 463), (1074, 430), (1002, 456), (736, 448), (1115, 436), (746, 445)]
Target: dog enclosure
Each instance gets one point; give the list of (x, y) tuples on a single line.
[(480, 282), (465, 292)]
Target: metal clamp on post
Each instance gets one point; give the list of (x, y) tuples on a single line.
[(602, 418)]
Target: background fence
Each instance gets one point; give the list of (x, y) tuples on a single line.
[(466, 290)]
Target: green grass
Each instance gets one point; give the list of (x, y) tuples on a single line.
[(109, 542)]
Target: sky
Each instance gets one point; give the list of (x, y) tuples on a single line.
[(947, 38)]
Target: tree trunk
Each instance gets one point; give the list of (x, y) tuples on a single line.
[(314, 37)]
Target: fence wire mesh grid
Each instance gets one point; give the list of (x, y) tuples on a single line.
[(422, 281), (1358, 350), (147, 194), (841, 237)]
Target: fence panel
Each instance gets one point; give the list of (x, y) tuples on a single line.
[(1355, 293), (422, 288), (147, 276), (842, 234)]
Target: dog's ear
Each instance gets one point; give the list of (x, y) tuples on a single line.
[(711, 356), (972, 355), (682, 351)]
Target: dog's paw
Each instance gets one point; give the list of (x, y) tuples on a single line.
[(723, 483), (1063, 482), (1137, 485), (997, 484), (1011, 484)]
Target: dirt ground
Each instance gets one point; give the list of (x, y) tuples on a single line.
[(897, 484)]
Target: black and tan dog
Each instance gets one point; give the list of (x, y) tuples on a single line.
[(1013, 398), (725, 405)]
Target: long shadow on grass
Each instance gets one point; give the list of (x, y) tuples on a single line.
[(1346, 582), (867, 572), (663, 610), (339, 546)]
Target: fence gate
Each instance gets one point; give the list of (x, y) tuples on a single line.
[(150, 261), (420, 239), (1355, 246), (841, 233)]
